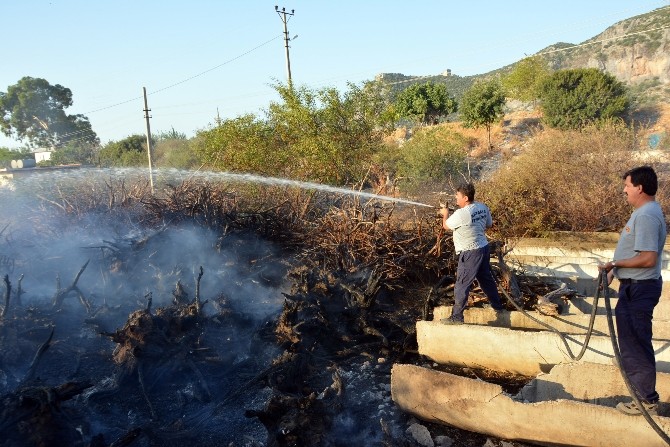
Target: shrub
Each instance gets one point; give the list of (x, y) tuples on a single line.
[(564, 180), (175, 153), (578, 97), (433, 154)]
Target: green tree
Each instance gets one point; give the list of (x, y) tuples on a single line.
[(432, 154), (574, 98), (32, 110), (426, 102), (242, 144), (332, 135), (75, 152), (318, 135), (525, 80), (171, 134), (482, 105), (175, 153), (131, 151)]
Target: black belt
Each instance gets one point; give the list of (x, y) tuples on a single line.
[(637, 281)]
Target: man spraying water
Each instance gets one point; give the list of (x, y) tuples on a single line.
[(469, 224)]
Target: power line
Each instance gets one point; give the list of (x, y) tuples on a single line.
[(187, 79), (218, 66)]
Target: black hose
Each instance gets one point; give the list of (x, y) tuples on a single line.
[(603, 285), (562, 336), (602, 281)]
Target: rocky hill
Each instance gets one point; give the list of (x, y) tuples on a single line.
[(635, 50)]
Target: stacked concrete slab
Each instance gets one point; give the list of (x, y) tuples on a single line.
[(580, 394), (572, 258)]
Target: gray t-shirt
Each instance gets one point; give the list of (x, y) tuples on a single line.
[(644, 231), (469, 225)]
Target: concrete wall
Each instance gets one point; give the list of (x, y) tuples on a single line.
[(572, 258)]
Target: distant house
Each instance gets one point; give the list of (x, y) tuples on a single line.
[(42, 155)]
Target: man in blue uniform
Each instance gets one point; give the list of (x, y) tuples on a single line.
[(637, 265)]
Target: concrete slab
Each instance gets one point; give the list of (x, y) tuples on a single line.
[(519, 352), (588, 285), (588, 382), (567, 324), (571, 257), (483, 407), (584, 305)]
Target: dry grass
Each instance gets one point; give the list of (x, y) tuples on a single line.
[(564, 181), (338, 234)]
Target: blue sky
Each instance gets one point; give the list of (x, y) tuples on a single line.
[(201, 56)]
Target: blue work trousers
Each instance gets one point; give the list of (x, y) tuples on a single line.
[(634, 312), (474, 264)]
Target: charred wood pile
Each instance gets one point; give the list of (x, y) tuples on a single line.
[(354, 277)]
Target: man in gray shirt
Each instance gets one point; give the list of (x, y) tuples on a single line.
[(637, 265), (469, 224)]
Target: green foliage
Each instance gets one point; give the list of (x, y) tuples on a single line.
[(526, 78), (131, 151), (425, 102), (171, 134), (483, 104), (32, 110), (312, 135), (74, 153), (175, 153), (574, 98), (563, 181), (396, 83), (331, 135), (7, 155), (433, 154), (243, 144)]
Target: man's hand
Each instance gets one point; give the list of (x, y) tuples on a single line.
[(608, 266), (444, 212)]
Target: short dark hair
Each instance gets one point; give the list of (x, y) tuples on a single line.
[(468, 190), (645, 176)]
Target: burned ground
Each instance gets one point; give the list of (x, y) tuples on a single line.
[(218, 320)]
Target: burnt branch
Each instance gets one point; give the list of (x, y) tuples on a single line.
[(197, 291), (8, 292), (38, 356), (19, 291), (58, 298)]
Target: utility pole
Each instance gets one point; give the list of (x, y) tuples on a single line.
[(285, 17), (146, 115)]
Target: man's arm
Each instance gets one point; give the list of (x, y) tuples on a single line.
[(445, 215), (643, 259)]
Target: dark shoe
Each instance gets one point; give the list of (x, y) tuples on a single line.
[(450, 321), (632, 409)]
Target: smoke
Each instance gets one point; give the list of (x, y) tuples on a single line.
[(126, 262), (243, 278)]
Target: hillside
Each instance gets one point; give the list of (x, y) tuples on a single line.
[(635, 50)]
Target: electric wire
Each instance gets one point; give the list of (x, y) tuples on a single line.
[(409, 80), (393, 83), (187, 79)]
